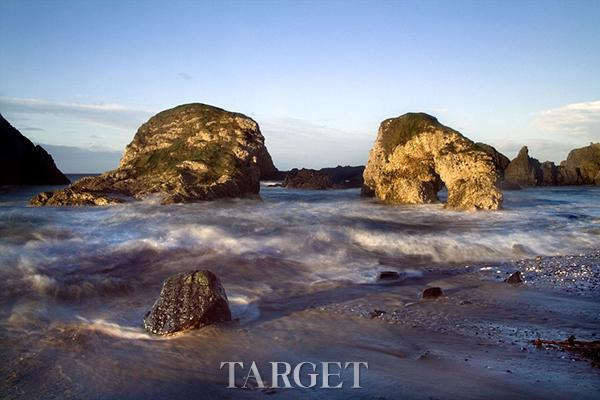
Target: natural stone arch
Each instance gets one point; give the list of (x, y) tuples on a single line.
[(414, 155)]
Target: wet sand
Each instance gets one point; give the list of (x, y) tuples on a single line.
[(474, 342)]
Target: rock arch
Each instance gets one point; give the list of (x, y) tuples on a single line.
[(414, 155)]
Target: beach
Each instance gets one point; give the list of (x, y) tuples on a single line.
[(300, 269)]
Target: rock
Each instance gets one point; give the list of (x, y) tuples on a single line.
[(582, 166), (376, 313), (499, 159), (23, 163), (325, 178), (345, 177), (414, 156), (550, 174), (514, 278), (505, 185), (307, 179), (74, 198), (388, 276), (189, 153), (187, 301), (432, 293), (524, 170)]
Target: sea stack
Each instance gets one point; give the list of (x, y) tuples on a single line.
[(189, 153), (582, 166), (414, 156), (524, 170), (23, 163)]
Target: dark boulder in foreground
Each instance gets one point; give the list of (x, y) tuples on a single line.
[(187, 301), (414, 156), (432, 293), (388, 276), (23, 163), (514, 278), (189, 153)]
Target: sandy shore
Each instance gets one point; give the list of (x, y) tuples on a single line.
[(474, 342)]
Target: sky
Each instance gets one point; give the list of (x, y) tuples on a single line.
[(79, 77)]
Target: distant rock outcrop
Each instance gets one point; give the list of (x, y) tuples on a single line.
[(23, 163), (188, 153), (524, 170), (414, 155), (582, 166), (325, 178), (307, 179)]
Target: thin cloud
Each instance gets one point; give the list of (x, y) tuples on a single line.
[(572, 119), (295, 142), (113, 115), (542, 149), (185, 76), (71, 159)]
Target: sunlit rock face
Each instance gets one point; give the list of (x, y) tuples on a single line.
[(188, 153), (414, 156), (188, 301), (500, 160)]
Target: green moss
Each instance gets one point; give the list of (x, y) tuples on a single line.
[(402, 129), (215, 155)]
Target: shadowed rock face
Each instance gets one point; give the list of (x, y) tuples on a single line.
[(307, 179), (582, 166), (187, 301), (188, 153), (414, 155), (23, 163), (524, 170), (500, 160), (325, 178)]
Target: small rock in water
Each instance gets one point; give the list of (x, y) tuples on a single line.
[(189, 300), (376, 313), (514, 278), (388, 276), (432, 293)]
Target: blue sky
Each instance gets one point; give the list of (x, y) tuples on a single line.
[(318, 76)]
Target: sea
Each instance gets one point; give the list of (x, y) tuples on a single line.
[(75, 283)]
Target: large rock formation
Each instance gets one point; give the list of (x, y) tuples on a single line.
[(325, 178), (187, 301), (23, 163), (500, 160), (524, 170), (188, 153), (414, 155), (582, 166)]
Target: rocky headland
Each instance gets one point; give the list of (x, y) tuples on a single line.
[(188, 153), (414, 156), (582, 167), (23, 163)]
